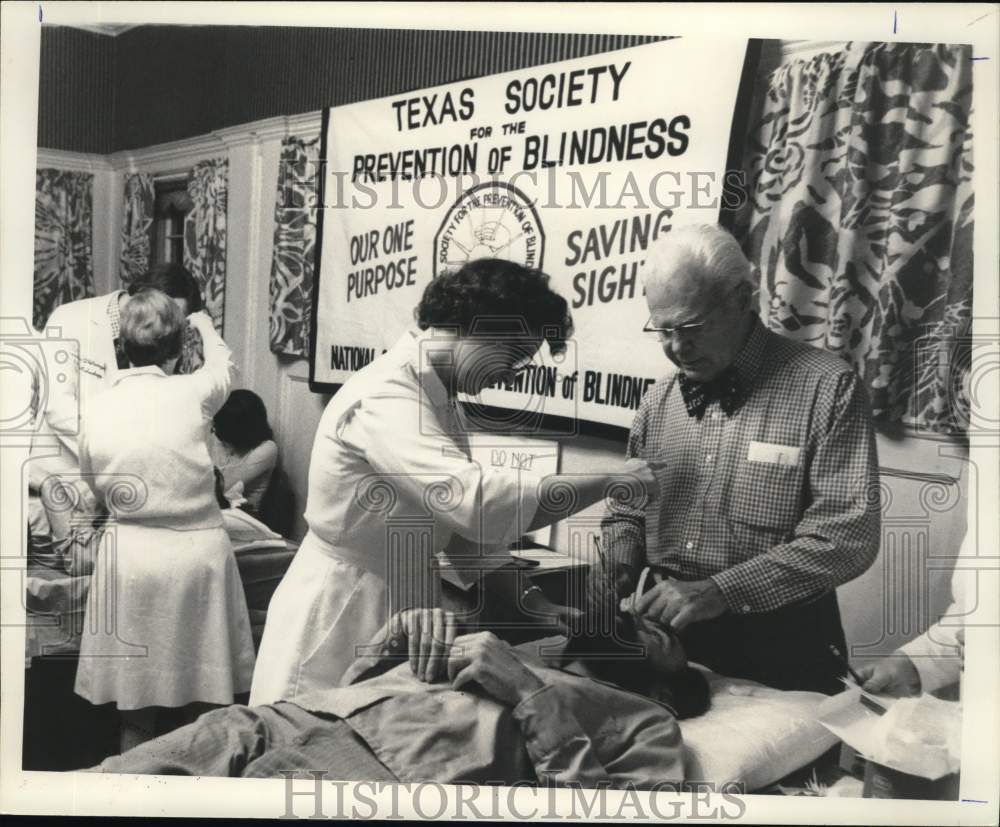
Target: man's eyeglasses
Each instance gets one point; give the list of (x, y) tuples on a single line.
[(691, 328)]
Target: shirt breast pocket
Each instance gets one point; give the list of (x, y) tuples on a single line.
[(767, 495)]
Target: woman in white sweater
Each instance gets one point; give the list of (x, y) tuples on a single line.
[(167, 622)]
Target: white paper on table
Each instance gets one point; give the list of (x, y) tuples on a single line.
[(852, 722), (919, 736)]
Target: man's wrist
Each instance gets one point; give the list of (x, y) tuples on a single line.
[(723, 590), (714, 595), (530, 686), (735, 595)]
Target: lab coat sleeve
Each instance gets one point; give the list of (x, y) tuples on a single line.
[(62, 409), (404, 441), (51, 472), (936, 653), (564, 753), (214, 378)]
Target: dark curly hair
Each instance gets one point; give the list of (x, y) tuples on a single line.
[(173, 279), (491, 296), (242, 421)]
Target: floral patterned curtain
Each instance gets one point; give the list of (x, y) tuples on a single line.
[(192, 351), (205, 233), (294, 240), (63, 240), (861, 219), (137, 220)]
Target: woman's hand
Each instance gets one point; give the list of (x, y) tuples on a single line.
[(428, 635), (894, 675), (199, 317), (645, 479), (486, 660)]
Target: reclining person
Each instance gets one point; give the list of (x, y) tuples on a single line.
[(457, 708)]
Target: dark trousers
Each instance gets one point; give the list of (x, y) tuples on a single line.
[(788, 648)]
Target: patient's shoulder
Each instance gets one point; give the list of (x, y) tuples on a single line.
[(266, 452)]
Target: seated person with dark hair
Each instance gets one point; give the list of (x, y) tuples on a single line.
[(469, 709), (243, 447)]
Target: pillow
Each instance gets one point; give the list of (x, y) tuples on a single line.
[(242, 528), (752, 734)]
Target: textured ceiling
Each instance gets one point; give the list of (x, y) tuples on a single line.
[(111, 29)]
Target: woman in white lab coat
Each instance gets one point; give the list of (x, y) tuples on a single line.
[(395, 501), (166, 620)]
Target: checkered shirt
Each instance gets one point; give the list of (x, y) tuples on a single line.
[(115, 321), (114, 314), (769, 531)]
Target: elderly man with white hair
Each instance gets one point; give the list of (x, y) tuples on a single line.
[(768, 473)]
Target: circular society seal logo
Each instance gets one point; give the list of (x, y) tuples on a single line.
[(491, 220)]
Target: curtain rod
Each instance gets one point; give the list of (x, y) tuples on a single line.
[(169, 177)]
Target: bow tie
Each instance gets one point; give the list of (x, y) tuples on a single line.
[(699, 395)]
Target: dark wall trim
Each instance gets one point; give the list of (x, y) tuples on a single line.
[(76, 91), (155, 84)]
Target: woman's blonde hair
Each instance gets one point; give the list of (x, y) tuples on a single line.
[(152, 328)]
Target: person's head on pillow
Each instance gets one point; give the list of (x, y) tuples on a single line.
[(627, 650), (152, 327)]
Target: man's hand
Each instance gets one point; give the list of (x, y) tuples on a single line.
[(486, 660), (676, 603), (894, 675), (428, 635)]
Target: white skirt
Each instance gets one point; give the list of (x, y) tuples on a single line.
[(324, 611), (166, 621)]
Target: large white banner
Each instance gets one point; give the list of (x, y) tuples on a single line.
[(573, 167)]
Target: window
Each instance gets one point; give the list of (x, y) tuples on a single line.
[(171, 203)]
